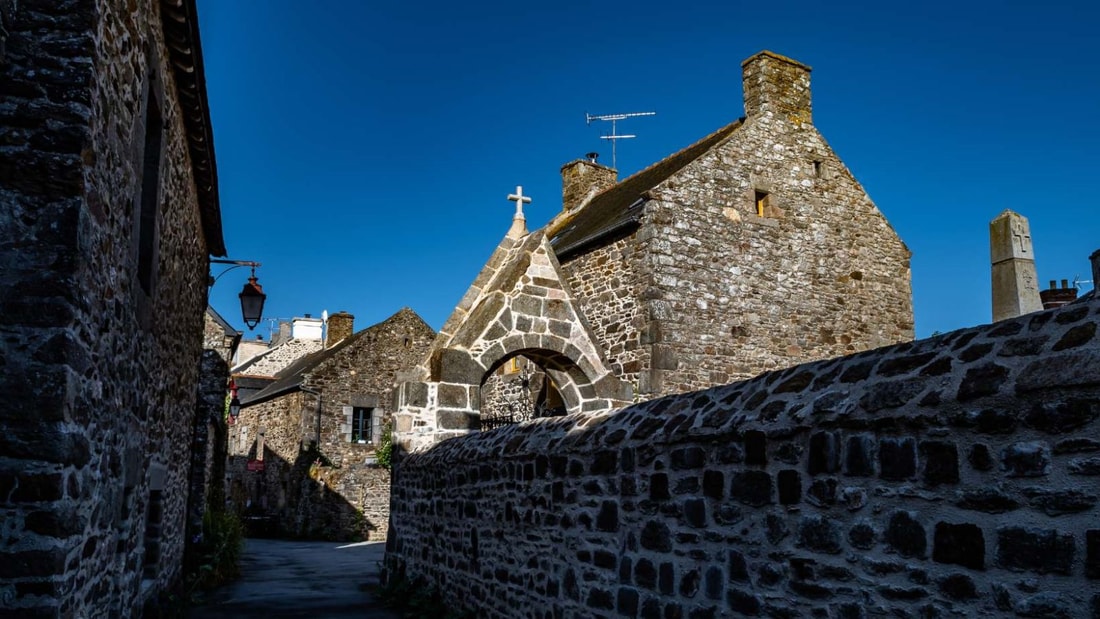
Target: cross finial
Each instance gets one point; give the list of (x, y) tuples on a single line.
[(520, 200)]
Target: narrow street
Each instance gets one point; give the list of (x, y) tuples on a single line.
[(301, 579)]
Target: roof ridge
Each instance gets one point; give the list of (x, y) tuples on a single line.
[(676, 154)]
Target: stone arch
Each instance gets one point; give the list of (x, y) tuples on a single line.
[(520, 304)]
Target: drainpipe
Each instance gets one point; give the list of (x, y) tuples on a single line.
[(317, 426)]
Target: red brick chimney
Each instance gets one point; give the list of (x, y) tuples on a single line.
[(776, 84), (1057, 297), (582, 179)]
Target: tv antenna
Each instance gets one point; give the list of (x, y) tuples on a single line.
[(615, 137)]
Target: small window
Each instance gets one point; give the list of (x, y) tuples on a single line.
[(361, 425), (761, 199), (817, 168), (511, 366)]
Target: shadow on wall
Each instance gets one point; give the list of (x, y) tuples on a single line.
[(308, 498), (957, 474)]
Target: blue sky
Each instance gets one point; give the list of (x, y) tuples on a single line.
[(365, 149)]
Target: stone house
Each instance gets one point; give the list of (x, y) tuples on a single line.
[(256, 369), (220, 336), (109, 213), (752, 249), (302, 452)]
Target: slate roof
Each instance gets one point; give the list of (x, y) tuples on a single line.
[(621, 206), (229, 330), (292, 376)]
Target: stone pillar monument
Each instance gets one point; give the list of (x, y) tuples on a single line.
[(1015, 284)]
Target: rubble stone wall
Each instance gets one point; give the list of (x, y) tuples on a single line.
[(609, 288), (957, 475), (734, 294), (100, 380)]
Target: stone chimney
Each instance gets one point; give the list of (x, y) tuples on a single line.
[(776, 84), (582, 179), (1095, 258), (340, 327)]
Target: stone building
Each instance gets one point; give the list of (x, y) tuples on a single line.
[(108, 215), (302, 452), (750, 250), (220, 336)]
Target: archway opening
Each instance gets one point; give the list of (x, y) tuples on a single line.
[(530, 384)]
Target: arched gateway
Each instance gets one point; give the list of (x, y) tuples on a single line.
[(519, 305)]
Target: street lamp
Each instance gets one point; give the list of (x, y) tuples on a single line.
[(252, 296)]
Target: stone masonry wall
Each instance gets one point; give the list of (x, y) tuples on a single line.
[(733, 294), (953, 476), (296, 433), (99, 397), (609, 290)]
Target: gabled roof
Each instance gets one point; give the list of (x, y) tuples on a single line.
[(620, 206), (271, 362), (292, 376), (222, 322)]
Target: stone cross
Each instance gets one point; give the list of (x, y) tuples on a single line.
[(1015, 283), (520, 200)]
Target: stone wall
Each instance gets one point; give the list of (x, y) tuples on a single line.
[(99, 378), (957, 475), (609, 290), (301, 428)]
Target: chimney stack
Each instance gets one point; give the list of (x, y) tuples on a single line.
[(1095, 258), (1054, 296), (582, 179), (340, 327), (776, 84)]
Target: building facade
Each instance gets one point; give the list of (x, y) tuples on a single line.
[(750, 250), (108, 215), (302, 454)]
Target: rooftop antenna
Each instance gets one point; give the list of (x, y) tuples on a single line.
[(615, 137), (1077, 281)]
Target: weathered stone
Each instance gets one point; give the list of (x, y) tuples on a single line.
[(1075, 337), (982, 381), (1084, 466), (897, 458), (819, 534), (1059, 417), (860, 456), (1046, 605), (980, 458), (906, 536), (862, 536), (958, 587), (960, 544), (751, 488), (1077, 368), (941, 462), (822, 492), (1034, 549), (1029, 459), (988, 500), (1058, 502), (824, 453), (789, 483)]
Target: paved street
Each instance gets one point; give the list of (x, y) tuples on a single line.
[(301, 579)]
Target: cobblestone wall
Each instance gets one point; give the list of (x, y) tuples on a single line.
[(952, 476)]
